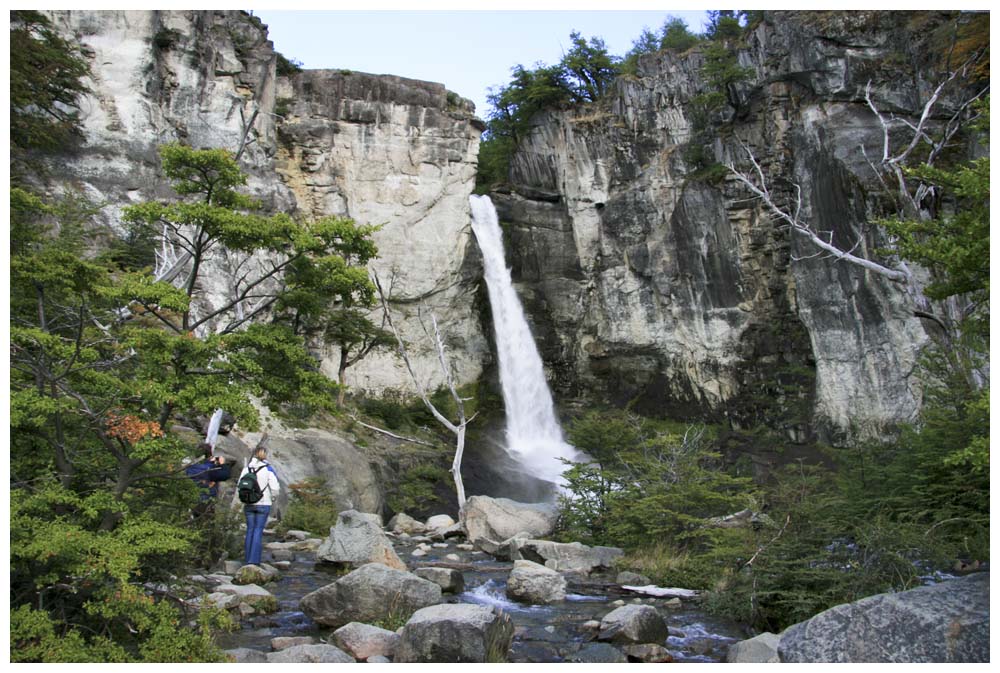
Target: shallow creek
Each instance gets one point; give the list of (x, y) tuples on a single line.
[(543, 633)]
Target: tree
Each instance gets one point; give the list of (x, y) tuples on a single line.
[(676, 36), (47, 76), (456, 427), (105, 357), (589, 68)]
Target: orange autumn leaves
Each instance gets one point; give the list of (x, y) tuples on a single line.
[(132, 429)]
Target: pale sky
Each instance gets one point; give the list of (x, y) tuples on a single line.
[(467, 51)]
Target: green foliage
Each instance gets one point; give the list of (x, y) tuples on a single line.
[(416, 489), (47, 77), (310, 507), (286, 67), (644, 483), (283, 106)]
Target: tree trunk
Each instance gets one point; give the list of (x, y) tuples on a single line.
[(456, 469)]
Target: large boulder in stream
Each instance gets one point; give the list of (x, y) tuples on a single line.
[(533, 583), (368, 594), (456, 633), (363, 641), (943, 623), (319, 653), (566, 556), (358, 539), (633, 624), (500, 518)]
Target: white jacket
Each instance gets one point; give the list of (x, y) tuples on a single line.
[(267, 479)]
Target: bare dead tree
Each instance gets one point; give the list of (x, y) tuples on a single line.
[(457, 428), (912, 199)]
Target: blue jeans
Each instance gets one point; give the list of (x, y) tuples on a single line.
[(256, 519)]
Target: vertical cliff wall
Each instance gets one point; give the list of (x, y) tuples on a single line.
[(653, 278), (381, 149)]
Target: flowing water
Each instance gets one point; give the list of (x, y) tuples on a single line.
[(542, 633), (533, 434)]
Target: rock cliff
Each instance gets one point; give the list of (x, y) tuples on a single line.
[(651, 277)]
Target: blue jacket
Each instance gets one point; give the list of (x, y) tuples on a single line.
[(207, 475)]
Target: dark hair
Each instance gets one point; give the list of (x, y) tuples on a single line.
[(206, 449)]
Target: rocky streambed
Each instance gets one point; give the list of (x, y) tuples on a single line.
[(560, 631)]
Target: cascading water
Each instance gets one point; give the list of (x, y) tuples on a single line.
[(533, 434)]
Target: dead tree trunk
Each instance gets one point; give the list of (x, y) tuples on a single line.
[(457, 428)]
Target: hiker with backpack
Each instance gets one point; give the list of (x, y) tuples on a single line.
[(257, 487)]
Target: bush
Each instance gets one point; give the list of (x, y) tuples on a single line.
[(310, 508), (417, 488), (286, 67)]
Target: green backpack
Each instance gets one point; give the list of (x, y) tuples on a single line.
[(248, 488)]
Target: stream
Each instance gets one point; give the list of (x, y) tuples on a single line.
[(543, 633)]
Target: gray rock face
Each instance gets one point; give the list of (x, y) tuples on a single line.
[(943, 623), (567, 556), (358, 539), (500, 518), (370, 593), (449, 579), (646, 281), (456, 633), (310, 654), (363, 641), (762, 649), (633, 624), (533, 583)]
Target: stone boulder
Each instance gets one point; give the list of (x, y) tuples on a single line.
[(256, 574), (597, 653), (943, 623), (633, 624), (246, 655), (450, 580), (368, 594), (247, 598), (456, 633), (503, 551), (363, 641), (402, 523), (762, 649), (647, 653), (284, 642), (439, 522), (501, 519), (634, 579), (533, 583), (358, 539), (319, 653), (566, 556)]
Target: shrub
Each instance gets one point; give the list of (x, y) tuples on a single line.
[(310, 507), (285, 66)]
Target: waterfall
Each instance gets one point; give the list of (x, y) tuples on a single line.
[(533, 434)]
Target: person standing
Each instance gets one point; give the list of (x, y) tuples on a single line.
[(257, 512)]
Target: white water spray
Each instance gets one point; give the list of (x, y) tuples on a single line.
[(534, 437)]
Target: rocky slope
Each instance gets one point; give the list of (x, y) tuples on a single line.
[(652, 278)]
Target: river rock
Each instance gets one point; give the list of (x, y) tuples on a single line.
[(534, 583), (318, 653), (439, 521), (231, 567), (237, 596), (635, 579), (370, 593), (246, 655), (256, 574), (358, 539), (456, 633), (633, 624), (449, 579), (567, 556), (943, 623), (297, 535), (502, 551), (762, 649), (378, 659), (402, 523), (363, 641), (501, 518), (597, 653), (647, 653), (284, 642)]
